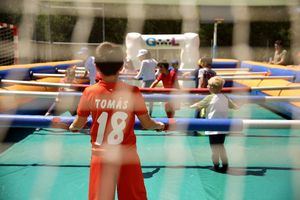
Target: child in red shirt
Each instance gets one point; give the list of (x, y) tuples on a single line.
[(113, 105), (169, 79)]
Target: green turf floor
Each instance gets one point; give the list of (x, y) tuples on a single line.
[(264, 164)]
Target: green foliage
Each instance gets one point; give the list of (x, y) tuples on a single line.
[(11, 11), (62, 28), (206, 34), (42, 28), (59, 28), (54, 28), (115, 30), (10, 19), (265, 33), (224, 34), (96, 35), (162, 27)]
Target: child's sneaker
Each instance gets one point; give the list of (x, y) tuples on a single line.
[(217, 168), (224, 168)]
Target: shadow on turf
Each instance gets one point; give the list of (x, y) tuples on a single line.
[(10, 136), (150, 174), (234, 171), (199, 134), (243, 171)]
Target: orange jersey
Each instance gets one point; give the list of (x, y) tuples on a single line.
[(168, 80), (113, 107)]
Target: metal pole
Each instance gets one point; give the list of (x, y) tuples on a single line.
[(49, 30), (214, 50), (103, 23), (215, 40)]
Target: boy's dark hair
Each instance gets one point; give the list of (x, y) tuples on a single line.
[(163, 64), (174, 62), (109, 58), (279, 42), (207, 60)]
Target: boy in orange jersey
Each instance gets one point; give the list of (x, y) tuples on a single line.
[(113, 105)]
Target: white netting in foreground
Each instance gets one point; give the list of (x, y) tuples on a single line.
[(8, 44)]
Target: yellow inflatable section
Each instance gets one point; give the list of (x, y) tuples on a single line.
[(10, 103), (54, 64), (274, 82)]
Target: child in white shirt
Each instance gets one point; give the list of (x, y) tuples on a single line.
[(147, 70), (217, 106)]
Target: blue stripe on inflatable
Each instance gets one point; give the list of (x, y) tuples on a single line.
[(43, 69), (224, 64), (3, 73), (34, 121), (16, 74), (180, 124), (24, 73), (24, 121), (206, 124)]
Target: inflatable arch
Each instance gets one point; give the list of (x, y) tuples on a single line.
[(187, 42)]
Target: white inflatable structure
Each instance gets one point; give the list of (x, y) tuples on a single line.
[(187, 42)]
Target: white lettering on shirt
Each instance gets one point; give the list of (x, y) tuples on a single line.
[(111, 104)]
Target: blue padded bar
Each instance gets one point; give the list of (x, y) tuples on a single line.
[(180, 124)]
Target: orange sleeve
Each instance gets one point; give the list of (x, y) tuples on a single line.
[(174, 76), (159, 77), (139, 103), (83, 109), (175, 80)]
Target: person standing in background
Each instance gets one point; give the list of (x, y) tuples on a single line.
[(174, 65), (201, 77), (298, 58), (205, 73), (169, 78), (128, 67), (280, 54), (88, 64), (147, 71)]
